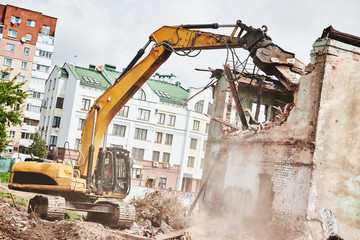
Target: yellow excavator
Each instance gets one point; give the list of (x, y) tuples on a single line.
[(84, 186)]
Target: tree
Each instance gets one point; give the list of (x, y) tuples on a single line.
[(11, 97), (38, 146)]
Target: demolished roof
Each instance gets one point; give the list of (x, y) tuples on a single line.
[(330, 32)]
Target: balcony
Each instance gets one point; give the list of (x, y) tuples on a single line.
[(25, 142)]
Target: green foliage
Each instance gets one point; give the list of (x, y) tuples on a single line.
[(72, 215), (5, 177), (38, 146), (18, 200), (11, 97)]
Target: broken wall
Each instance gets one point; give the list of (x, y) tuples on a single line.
[(288, 173), (252, 170)]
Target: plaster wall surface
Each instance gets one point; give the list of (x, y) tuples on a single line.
[(336, 176)]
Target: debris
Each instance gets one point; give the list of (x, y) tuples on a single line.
[(235, 95), (159, 206), (12, 197), (329, 224)]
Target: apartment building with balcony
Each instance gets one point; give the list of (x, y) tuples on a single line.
[(26, 49), (166, 137)]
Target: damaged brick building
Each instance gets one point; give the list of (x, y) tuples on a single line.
[(298, 167)]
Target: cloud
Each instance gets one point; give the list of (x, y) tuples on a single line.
[(113, 31)]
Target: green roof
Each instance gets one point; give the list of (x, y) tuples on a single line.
[(169, 92), (90, 77), (63, 71)]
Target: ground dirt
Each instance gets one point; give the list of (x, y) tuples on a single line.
[(18, 224)]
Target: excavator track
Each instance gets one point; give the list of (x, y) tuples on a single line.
[(123, 215), (126, 215), (48, 207)]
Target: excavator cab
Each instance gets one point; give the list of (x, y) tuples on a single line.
[(112, 172)]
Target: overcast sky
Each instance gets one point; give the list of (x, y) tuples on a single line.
[(112, 31)]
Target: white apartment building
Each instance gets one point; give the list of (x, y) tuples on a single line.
[(165, 137)]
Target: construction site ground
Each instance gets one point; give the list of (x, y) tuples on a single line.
[(16, 223)]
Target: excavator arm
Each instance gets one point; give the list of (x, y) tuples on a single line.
[(267, 56)]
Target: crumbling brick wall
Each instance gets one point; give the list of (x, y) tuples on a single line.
[(312, 159)]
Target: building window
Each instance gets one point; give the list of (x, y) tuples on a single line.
[(196, 125), (140, 133), (5, 75), (30, 23), (77, 144), (204, 146), (161, 118), (56, 122), (119, 130), (162, 183), (81, 123), (140, 95), (34, 94), (156, 156), (85, 104), (138, 153), (11, 134), (143, 114), (124, 111), (44, 54), (158, 138), (26, 51), (23, 65), (166, 157), (53, 140), (59, 102), (202, 164), (14, 19), (171, 120), (12, 33), (29, 122), (7, 62), (25, 135), (193, 143), (45, 30), (16, 107), (136, 173), (46, 39), (168, 139), (28, 37), (191, 162), (210, 107), (21, 78), (33, 108), (207, 128), (199, 106), (10, 47), (42, 68)]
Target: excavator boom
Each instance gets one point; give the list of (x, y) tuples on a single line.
[(267, 56)]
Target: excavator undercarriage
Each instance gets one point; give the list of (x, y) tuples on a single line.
[(113, 213)]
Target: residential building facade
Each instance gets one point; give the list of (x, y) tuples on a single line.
[(165, 134), (26, 49)]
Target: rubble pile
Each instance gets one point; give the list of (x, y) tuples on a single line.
[(16, 224), (158, 207)]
